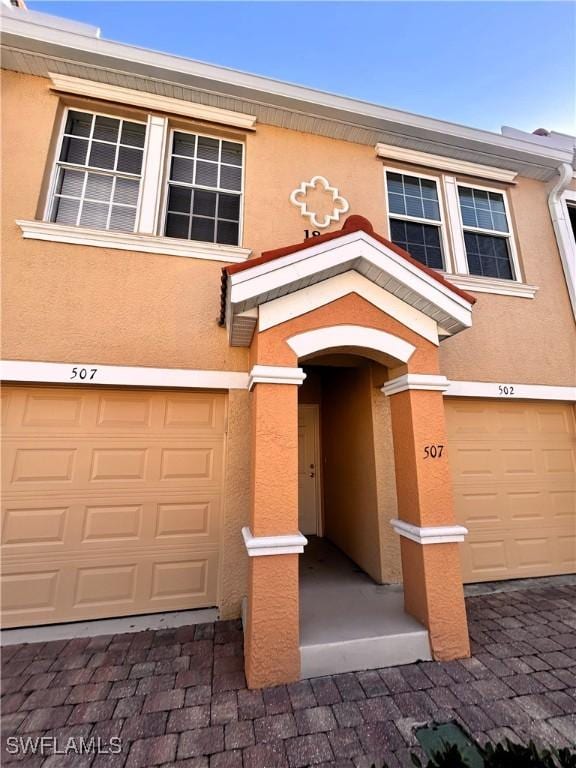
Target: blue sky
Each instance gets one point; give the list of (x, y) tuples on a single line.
[(483, 64)]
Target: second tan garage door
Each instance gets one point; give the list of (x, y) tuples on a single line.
[(111, 502), (514, 466)]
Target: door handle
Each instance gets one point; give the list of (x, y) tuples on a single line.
[(312, 474)]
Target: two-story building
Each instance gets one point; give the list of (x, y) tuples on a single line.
[(240, 313)]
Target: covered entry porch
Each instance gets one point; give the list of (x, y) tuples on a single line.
[(348, 621), (347, 293)]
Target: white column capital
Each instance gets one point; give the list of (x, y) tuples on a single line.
[(256, 546), (433, 534), (425, 381), (275, 374)]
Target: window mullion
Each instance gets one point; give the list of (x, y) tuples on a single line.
[(151, 177), (455, 226)]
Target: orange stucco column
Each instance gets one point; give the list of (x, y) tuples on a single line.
[(272, 642), (433, 591)]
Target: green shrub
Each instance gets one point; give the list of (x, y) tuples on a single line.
[(503, 755)]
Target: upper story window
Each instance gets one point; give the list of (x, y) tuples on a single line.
[(415, 217), (487, 236), (204, 189), (98, 172)]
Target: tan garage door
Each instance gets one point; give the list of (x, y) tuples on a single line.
[(111, 502), (514, 468)]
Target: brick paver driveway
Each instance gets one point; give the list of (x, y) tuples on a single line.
[(178, 697)]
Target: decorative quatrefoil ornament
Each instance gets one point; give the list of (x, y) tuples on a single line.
[(339, 204)]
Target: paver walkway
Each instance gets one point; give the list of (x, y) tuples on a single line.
[(179, 698)]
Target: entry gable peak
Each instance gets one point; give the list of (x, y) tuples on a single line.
[(355, 247)]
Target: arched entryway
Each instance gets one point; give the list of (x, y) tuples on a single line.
[(361, 297)]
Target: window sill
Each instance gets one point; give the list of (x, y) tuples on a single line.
[(128, 241), (477, 284)]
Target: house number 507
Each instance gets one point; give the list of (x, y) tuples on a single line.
[(83, 373), (433, 451)]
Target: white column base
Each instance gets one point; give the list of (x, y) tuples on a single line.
[(433, 534), (256, 546)]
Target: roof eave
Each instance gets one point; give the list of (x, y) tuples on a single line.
[(396, 126)]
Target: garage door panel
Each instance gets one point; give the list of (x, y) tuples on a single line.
[(205, 414), (513, 467), (112, 502), (190, 520), (86, 411), (27, 525)]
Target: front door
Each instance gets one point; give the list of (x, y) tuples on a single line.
[(308, 466)]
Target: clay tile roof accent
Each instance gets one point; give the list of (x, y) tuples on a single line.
[(351, 224)]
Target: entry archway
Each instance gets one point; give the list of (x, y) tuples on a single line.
[(402, 341)]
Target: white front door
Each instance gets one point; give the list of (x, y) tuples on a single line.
[(308, 467)]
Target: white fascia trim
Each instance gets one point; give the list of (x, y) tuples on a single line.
[(477, 284), (256, 546), (22, 34), (451, 164), (119, 375), (163, 246), (305, 300), (425, 381), (151, 101), (350, 336), (505, 390), (434, 534), (346, 252), (275, 374)]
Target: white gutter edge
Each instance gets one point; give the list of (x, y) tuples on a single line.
[(563, 231), (268, 86)]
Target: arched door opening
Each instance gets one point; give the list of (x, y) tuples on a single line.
[(351, 599)]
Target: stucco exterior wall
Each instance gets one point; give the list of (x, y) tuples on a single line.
[(385, 478), (237, 497), (532, 341), (72, 303), (75, 303), (350, 498)]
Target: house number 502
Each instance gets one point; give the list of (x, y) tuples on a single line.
[(433, 451)]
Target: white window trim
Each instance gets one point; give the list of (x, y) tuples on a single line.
[(147, 216), (509, 236), (479, 284), (452, 232), (55, 159), (132, 241), (150, 101), (151, 207), (166, 183), (450, 164), (441, 223)]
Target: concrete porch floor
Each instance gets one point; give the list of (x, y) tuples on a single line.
[(347, 621)]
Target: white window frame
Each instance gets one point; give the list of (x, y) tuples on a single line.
[(166, 186), (441, 223), (56, 164), (147, 235), (509, 236)]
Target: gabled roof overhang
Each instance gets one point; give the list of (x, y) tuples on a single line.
[(354, 248)]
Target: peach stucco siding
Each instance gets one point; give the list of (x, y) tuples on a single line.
[(71, 303), (129, 308)]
